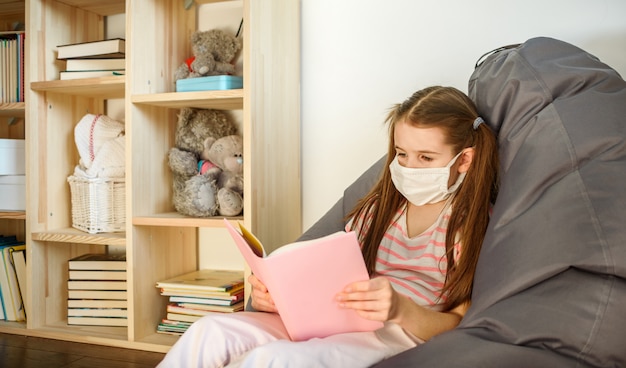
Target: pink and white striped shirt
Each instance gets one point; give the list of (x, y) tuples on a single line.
[(416, 267)]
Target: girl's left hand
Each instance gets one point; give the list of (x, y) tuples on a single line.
[(373, 299)]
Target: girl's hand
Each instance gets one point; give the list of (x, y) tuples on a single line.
[(374, 299), (261, 298)]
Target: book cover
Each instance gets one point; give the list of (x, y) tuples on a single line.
[(223, 295), (97, 275), (8, 240), (9, 287), (19, 261), (303, 279), (193, 307), (98, 261), (97, 294), (96, 303), (182, 317), (96, 285), (67, 75), (180, 309), (210, 301), (97, 321), (168, 331), (168, 326), (75, 65), (111, 48), (205, 280), (97, 312)]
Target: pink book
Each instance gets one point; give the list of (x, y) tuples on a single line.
[(303, 279)]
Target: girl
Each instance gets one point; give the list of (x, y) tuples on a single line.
[(421, 228)]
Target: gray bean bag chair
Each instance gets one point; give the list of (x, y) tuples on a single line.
[(550, 288)]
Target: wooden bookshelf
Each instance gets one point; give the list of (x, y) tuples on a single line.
[(159, 242)]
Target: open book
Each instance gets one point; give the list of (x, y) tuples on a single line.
[(303, 279)]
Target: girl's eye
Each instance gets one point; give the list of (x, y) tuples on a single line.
[(400, 154), (426, 158)]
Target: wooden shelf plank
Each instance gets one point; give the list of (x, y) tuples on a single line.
[(13, 215), (71, 235), (14, 109), (176, 219), (231, 99), (102, 7), (103, 87)]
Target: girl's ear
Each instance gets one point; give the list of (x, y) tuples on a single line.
[(466, 158)]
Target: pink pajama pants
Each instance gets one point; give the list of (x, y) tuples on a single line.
[(256, 339)]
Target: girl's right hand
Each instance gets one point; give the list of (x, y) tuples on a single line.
[(261, 299)]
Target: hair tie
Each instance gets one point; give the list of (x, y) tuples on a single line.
[(477, 122)]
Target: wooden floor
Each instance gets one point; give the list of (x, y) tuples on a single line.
[(18, 351)]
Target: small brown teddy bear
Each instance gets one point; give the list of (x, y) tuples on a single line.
[(207, 164), (213, 54), (226, 154)]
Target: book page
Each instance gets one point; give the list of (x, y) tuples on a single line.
[(304, 243), (253, 242)]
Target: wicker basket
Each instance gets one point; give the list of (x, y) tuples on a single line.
[(98, 205)]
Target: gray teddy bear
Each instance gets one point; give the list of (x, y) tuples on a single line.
[(207, 164), (213, 54)]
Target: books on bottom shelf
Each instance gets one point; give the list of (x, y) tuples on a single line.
[(97, 312), (223, 281), (236, 298), (97, 303), (99, 261), (199, 293), (98, 294), (98, 321), (96, 285), (172, 327), (97, 275), (12, 279), (97, 290), (203, 309)]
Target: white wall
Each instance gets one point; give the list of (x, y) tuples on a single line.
[(361, 56)]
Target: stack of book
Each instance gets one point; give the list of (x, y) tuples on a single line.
[(11, 67), (97, 290), (197, 294), (12, 278), (93, 59)]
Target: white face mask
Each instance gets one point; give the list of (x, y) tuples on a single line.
[(424, 185)]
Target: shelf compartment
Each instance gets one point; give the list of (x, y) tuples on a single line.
[(177, 220), (71, 235), (102, 87), (231, 99)]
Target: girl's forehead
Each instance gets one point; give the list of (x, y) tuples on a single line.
[(424, 139)]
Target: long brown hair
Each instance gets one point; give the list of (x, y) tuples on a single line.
[(454, 112)]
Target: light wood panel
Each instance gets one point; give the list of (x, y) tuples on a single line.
[(71, 235), (12, 109), (103, 87), (110, 7), (219, 100)]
